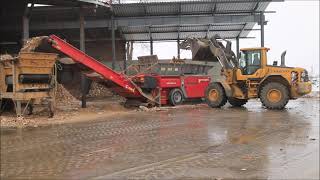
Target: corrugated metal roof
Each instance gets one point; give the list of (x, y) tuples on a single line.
[(141, 33), (153, 8), (148, 8)]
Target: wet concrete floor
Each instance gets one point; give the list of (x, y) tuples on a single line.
[(197, 142)]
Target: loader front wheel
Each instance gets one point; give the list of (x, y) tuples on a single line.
[(215, 95), (237, 102), (274, 95)]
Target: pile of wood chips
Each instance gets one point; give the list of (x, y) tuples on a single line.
[(63, 96), (99, 90), (32, 44), (4, 57)]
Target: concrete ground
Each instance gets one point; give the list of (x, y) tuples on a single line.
[(194, 142)]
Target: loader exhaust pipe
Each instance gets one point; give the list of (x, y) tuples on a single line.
[(283, 59)]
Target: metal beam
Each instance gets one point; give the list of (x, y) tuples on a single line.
[(25, 25), (243, 29), (208, 30), (71, 3), (25, 28), (214, 8), (82, 31), (151, 42), (186, 20), (84, 81), (162, 34), (150, 21), (178, 43), (198, 2), (96, 2), (175, 39), (255, 7), (147, 40), (238, 47), (113, 36), (184, 31), (262, 21)]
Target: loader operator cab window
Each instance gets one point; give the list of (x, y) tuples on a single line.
[(250, 62)]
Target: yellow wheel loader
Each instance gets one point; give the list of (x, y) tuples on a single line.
[(250, 76)]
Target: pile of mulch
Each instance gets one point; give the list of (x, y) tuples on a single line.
[(64, 97), (4, 57), (33, 43), (99, 90)]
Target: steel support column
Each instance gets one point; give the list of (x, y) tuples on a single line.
[(151, 42), (85, 84), (178, 47), (262, 21), (151, 46), (82, 31), (238, 47), (113, 34), (26, 22), (25, 28), (125, 59)]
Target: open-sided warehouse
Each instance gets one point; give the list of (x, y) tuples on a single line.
[(220, 114)]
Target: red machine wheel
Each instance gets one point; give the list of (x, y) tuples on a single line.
[(176, 97)]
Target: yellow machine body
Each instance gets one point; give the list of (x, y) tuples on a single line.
[(266, 73)]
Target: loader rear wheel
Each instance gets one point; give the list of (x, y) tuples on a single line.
[(237, 102), (274, 95), (215, 95), (176, 97)]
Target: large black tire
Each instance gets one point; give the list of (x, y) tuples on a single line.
[(176, 97), (274, 95), (237, 102), (215, 95)]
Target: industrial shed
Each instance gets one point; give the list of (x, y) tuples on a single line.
[(101, 28), (109, 22)]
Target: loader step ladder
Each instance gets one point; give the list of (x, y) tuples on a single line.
[(253, 87)]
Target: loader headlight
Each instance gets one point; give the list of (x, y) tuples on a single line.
[(304, 76), (294, 77)]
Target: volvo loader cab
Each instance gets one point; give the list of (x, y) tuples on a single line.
[(251, 77)]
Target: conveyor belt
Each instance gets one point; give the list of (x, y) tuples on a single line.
[(107, 73)]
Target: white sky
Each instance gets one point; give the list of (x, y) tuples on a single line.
[(294, 27)]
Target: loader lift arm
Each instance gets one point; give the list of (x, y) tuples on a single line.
[(225, 55)]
